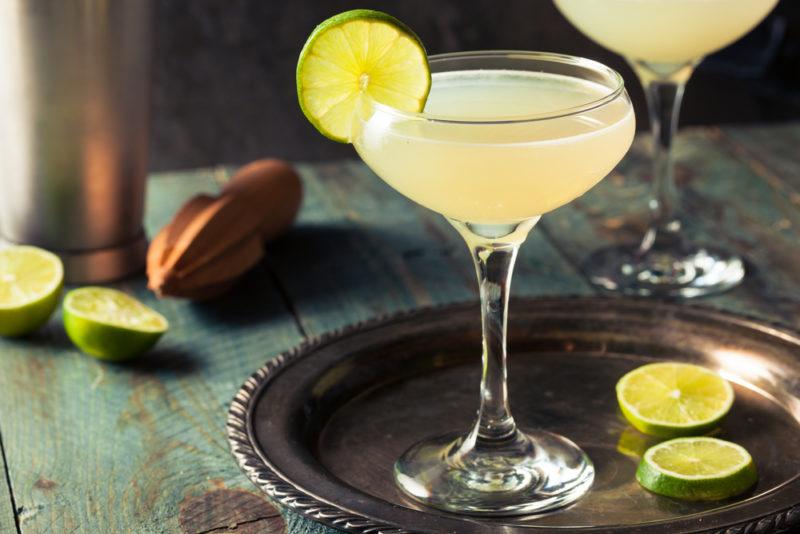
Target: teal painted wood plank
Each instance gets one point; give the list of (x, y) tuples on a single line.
[(771, 151), (297, 524), (727, 203), (7, 521), (97, 447), (360, 250)]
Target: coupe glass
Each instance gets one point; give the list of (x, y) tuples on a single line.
[(663, 40), (492, 177)]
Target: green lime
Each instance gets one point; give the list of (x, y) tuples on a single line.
[(30, 283), (673, 399), (697, 469), (109, 324), (360, 52)]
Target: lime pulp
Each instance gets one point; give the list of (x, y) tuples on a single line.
[(110, 324)]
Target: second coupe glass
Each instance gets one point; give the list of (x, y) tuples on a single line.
[(663, 40)]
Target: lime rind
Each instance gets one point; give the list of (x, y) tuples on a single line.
[(31, 280), (109, 324), (708, 393), (114, 308), (737, 449), (721, 484), (14, 255), (331, 77)]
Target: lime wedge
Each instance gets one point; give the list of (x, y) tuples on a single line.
[(109, 324), (673, 399), (697, 469), (30, 283), (360, 52)]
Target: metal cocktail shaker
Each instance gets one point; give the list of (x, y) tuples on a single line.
[(74, 120)]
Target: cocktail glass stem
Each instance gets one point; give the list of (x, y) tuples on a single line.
[(494, 259), (495, 468), (664, 263), (664, 94)]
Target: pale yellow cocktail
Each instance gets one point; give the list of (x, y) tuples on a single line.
[(665, 31), (493, 171)]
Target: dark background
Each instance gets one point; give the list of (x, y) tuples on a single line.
[(224, 89)]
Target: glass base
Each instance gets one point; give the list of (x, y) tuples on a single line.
[(691, 271), (524, 474)]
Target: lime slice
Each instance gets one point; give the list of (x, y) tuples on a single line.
[(360, 52), (109, 324), (673, 399), (30, 283), (697, 469)]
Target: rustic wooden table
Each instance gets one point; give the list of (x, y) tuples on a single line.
[(94, 447)]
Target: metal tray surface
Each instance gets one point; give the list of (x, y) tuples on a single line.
[(319, 427)]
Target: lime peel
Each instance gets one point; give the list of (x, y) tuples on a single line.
[(671, 399), (114, 308), (356, 53), (110, 324), (697, 453), (31, 280)]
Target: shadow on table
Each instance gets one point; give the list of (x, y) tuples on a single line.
[(252, 300), (51, 337), (314, 257), (163, 359)]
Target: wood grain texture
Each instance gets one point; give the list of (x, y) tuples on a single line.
[(7, 519), (96, 447), (227, 510), (771, 151)]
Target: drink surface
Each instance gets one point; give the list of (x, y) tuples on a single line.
[(665, 31), (498, 172)]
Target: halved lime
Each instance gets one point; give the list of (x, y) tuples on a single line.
[(673, 399), (354, 53), (697, 469), (109, 324), (30, 283)]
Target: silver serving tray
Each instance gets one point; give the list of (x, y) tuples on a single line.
[(319, 427)]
